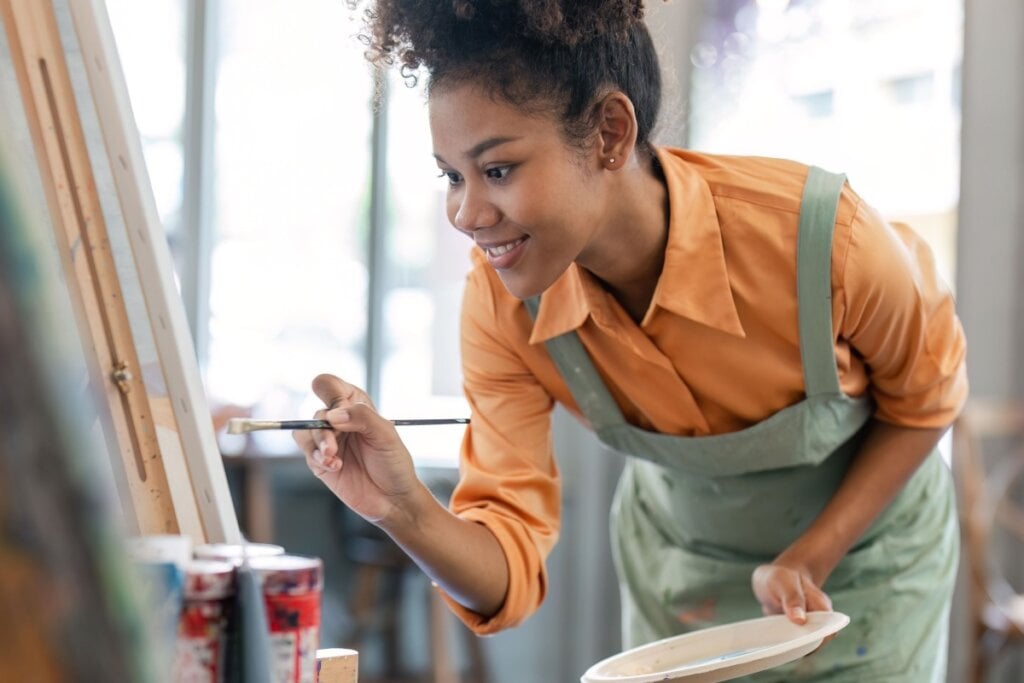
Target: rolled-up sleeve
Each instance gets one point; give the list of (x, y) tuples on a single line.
[(900, 317), (509, 480)]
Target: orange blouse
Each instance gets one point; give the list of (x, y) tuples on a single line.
[(717, 350)]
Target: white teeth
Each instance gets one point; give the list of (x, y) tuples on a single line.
[(504, 248)]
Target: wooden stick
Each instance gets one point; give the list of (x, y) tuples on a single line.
[(337, 665)]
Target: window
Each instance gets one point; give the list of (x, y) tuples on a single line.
[(290, 193), (151, 41), (425, 268), (868, 88), (289, 290)]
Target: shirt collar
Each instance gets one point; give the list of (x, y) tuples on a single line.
[(694, 281), (565, 305)]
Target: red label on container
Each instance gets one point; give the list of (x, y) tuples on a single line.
[(289, 612), (294, 622)]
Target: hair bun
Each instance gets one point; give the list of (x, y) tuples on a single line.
[(545, 56), (569, 22)]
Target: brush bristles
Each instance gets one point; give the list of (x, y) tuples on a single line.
[(241, 425)]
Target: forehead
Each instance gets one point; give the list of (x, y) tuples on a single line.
[(461, 115)]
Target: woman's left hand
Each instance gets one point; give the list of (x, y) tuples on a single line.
[(788, 590)]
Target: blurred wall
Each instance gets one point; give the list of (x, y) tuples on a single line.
[(991, 239), (990, 245)]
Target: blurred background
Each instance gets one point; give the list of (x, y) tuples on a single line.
[(306, 220)]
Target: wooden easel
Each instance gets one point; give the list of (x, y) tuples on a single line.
[(169, 470), (167, 462)]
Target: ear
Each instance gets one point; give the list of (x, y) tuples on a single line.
[(616, 129)]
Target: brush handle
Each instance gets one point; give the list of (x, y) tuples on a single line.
[(431, 421), (241, 425)]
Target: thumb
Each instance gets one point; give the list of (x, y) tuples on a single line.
[(333, 390), (794, 602)]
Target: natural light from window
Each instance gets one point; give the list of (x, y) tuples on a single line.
[(869, 88)]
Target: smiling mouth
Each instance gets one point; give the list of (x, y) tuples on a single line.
[(504, 248)]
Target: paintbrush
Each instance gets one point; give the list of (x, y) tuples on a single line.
[(242, 425)]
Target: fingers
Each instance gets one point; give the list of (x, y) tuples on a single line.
[(324, 440), (817, 599), (304, 439), (319, 446), (789, 591), (348, 410), (362, 418), (772, 584), (316, 464), (804, 597), (315, 459), (793, 599)]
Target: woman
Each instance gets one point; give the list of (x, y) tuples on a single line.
[(776, 360)]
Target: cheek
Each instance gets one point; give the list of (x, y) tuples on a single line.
[(561, 201), (538, 204)]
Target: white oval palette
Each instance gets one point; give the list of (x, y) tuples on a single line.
[(719, 653)]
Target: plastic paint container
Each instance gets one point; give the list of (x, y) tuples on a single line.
[(160, 591), (292, 587), (159, 548), (234, 552), (159, 562), (202, 642)]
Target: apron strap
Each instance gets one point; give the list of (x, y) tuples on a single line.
[(814, 299), (814, 280), (585, 384)]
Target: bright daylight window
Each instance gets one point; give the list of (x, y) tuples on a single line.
[(869, 88), (427, 262), (288, 275), (151, 41), (288, 209)]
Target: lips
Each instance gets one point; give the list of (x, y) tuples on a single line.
[(505, 254), (500, 249)]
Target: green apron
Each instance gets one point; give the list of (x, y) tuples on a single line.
[(693, 516)]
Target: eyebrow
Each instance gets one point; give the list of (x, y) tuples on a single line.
[(481, 147)]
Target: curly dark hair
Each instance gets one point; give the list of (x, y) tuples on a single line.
[(541, 55)]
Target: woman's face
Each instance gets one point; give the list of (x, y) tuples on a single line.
[(515, 187)]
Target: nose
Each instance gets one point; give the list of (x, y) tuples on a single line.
[(471, 209)]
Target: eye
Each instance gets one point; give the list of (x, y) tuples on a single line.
[(453, 177), (498, 173)]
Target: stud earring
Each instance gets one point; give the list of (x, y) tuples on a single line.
[(611, 160)]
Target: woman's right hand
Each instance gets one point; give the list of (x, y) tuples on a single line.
[(361, 459)]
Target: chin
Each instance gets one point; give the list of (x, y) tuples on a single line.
[(522, 288)]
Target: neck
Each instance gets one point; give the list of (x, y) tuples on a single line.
[(629, 252)]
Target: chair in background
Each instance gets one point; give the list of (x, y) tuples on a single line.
[(988, 467)]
